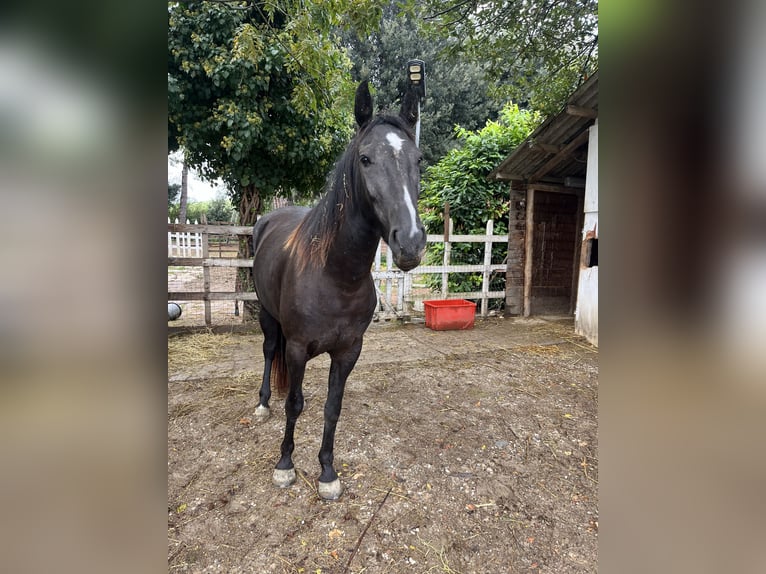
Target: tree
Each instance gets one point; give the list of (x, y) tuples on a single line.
[(457, 89), (173, 191), (220, 209), (184, 191), (260, 95), (460, 180), (537, 52), (195, 211)]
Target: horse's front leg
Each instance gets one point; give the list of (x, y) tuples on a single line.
[(284, 473), (330, 487)]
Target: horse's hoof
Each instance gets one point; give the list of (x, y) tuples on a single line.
[(262, 413), (283, 478), (330, 490)]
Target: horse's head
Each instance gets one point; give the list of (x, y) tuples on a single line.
[(388, 164)]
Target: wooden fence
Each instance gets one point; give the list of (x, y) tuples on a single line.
[(399, 293)]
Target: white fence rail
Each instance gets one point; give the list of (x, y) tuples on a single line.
[(389, 277), (184, 243)]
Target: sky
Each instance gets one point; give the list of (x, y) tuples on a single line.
[(199, 189)]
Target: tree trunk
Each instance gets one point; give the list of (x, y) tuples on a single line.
[(249, 208), (184, 193)]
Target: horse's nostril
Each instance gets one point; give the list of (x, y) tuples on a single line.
[(394, 233)]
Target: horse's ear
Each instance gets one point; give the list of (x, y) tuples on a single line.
[(363, 104), (409, 111)]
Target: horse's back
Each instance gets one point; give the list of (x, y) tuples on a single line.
[(276, 225)]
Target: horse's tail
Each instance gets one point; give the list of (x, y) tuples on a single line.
[(279, 378)]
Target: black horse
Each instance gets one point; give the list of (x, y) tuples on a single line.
[(312, 269)]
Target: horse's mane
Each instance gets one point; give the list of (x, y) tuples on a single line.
[(311, 241)]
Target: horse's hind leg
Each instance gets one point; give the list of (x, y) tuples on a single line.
[(330, 487), (272, 336), (284, 473)]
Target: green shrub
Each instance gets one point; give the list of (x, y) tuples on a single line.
[(460, 180)]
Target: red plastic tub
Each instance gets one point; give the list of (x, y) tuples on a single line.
[(449, 314)]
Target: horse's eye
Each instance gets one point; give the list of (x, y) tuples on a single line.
[(365, 160)]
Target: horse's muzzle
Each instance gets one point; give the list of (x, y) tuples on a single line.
[(407, 264), (407, 250)]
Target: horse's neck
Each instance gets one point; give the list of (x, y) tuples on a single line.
[(352, 251)]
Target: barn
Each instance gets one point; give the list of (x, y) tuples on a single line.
[(553, 228)]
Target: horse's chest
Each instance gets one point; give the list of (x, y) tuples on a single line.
[(347, 311), (336, 333), (336, 319)]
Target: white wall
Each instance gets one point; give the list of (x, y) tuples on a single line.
[(586, 312)]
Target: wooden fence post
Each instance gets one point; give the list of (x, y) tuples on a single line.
[(378, 304), (529, 233), (447, 252), (406, 291), (206, 274), (400, 292), (197, 237), (487, 263), (389, 282)]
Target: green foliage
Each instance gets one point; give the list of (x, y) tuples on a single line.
[(259, 94), (536, 52), (460, 180), (194, 211), (220, 209), (174, 190), (457, 89)]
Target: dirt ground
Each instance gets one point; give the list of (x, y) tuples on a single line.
[(460, 452)]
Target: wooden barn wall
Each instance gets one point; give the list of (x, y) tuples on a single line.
[(514, 275), (555, 234)]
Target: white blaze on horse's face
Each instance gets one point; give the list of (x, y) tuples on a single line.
[(395, 142), (391, 173), (413, 213)]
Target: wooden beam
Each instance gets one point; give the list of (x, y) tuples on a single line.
[(550, 188), (509, 177), (577, 250), (544, 147), (529, 233), (546, 187), (582, 112), (212, 229), (209, 262), (559, 157), (211, 296)]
